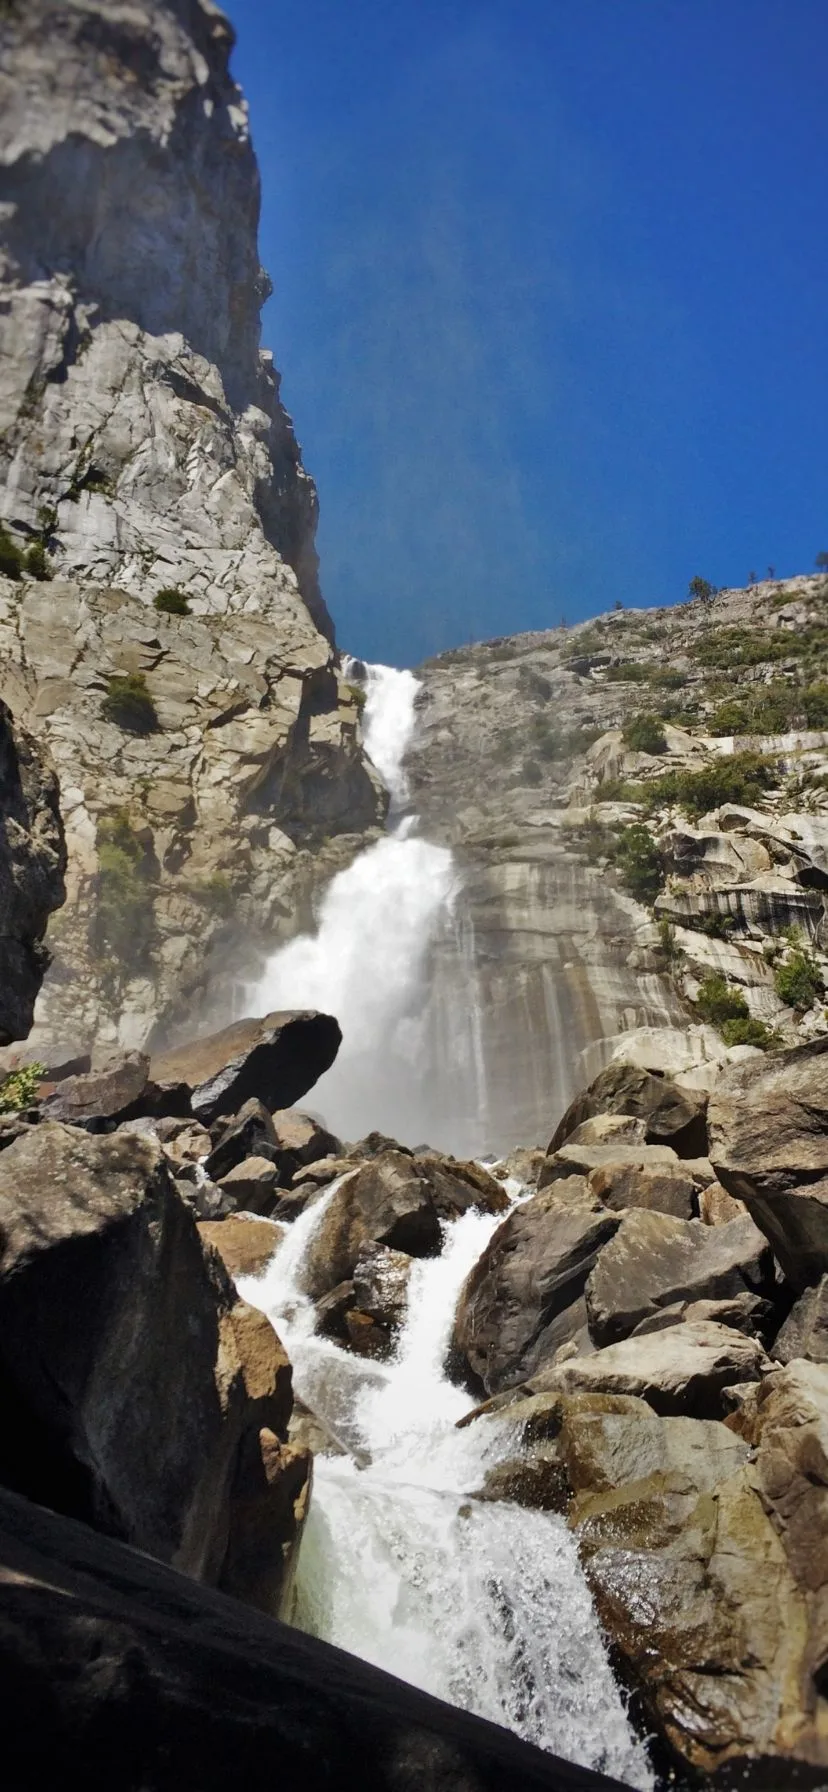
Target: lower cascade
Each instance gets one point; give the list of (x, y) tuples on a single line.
[(480, 1603)]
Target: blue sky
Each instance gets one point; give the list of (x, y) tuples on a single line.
[(551, 298)]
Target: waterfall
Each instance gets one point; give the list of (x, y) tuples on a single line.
[(482, 1603), (367, 961)]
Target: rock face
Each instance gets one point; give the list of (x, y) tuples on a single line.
[(769, 1145), (139, 1394), (655, 1260), (145, 450), (602, 890), (32, 864)]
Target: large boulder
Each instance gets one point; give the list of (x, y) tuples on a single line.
[(106, 1095), (805, 1331), (655, 1260), (671, 1115), (300, 1140), (275, 1060), (524, 1297), (685, 1369), (393, 1199), (768, 1121), (136, 1386), (244, 1244), (32, 866)]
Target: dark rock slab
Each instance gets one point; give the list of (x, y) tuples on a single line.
[(276, 1060), (111, 1091), (805, 1331), (522, 1300), (769, 1147), (112, 1660), (300, 1140), (672, 1116), (32, 866), (655, 1260)]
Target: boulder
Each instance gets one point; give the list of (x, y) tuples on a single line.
[(185, 1143), (660, 1188), (252, 1185), (684, 1369), (300, 1140), (655, 1260), (381, 1278), (609, 1129), (524, 1296), (805, 1331), (671, 1115), (582, 1160), (395, 1200), (717, 1207), (32, 866), (523, 1165), (276, 1059), (249, 1133), (745, 1312), (135, 1385), (769, 1146), (244, 1244), (108, 1656), (108, 1093)]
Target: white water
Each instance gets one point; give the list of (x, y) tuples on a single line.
[(367, 961), (482, 1603)]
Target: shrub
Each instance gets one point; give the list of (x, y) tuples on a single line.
[(740, 778), (356, 694), (531, 772), (171, 602), (749, 1032), (731, 648), (815, 705), (645, 734), (11, 559), (37, 561), (124, 921), (627, 672), (639, 862), (702, 589), (798, 982), (216, 892), (129, 705), (718, 1002), (667, 678), (19, 1089)]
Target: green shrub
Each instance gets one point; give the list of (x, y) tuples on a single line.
[(356, 694), (639, 862), (815, 705), (171, 602), (531, 772), (11, 558), (739, 778), (667, 678), (667, 939), (731, 648), (718, 1002), (216, 892), (19, 1089), (124, 921), (645, 734), (798, 982), (627, 672), (702, 589), (37, 562), (749, 1032), (129, 705)]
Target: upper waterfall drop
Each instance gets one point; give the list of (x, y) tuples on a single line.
[(367, 961)]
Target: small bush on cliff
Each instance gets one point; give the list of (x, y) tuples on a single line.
[(740, 778), (645, 734), (129, 705), (124, 921), (798, 982), (171, 602), (11, 558), (639, 862), (719, 1002), (37, 562), (749, 1032), (19, 1089)]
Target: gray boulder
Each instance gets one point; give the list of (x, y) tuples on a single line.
[(805, 1331), (671, 1116), (655, 1260), (276, 1060), (684, 1369)]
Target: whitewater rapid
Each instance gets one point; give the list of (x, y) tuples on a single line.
[(367, 960), (482, 1603)]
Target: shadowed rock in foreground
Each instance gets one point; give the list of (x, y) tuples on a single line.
[(32, 863)]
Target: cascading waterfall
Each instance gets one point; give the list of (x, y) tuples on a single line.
[(367, 961), (479, 1602)]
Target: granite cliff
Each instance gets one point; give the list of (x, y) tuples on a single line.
[(161, 624)]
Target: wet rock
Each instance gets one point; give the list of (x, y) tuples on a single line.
[(245, 1245), (485, 1190), (381, 1278), (269, 1500), (308, 1432), (672, 1116), (394, 1199), (805, 1331), (133, 1379), (524, 1164), (684, 1369), (655, 1260), (276, 1060), (664, 1188), (252, 1185), (32, 866), (522, 1299), (769, 1146)]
